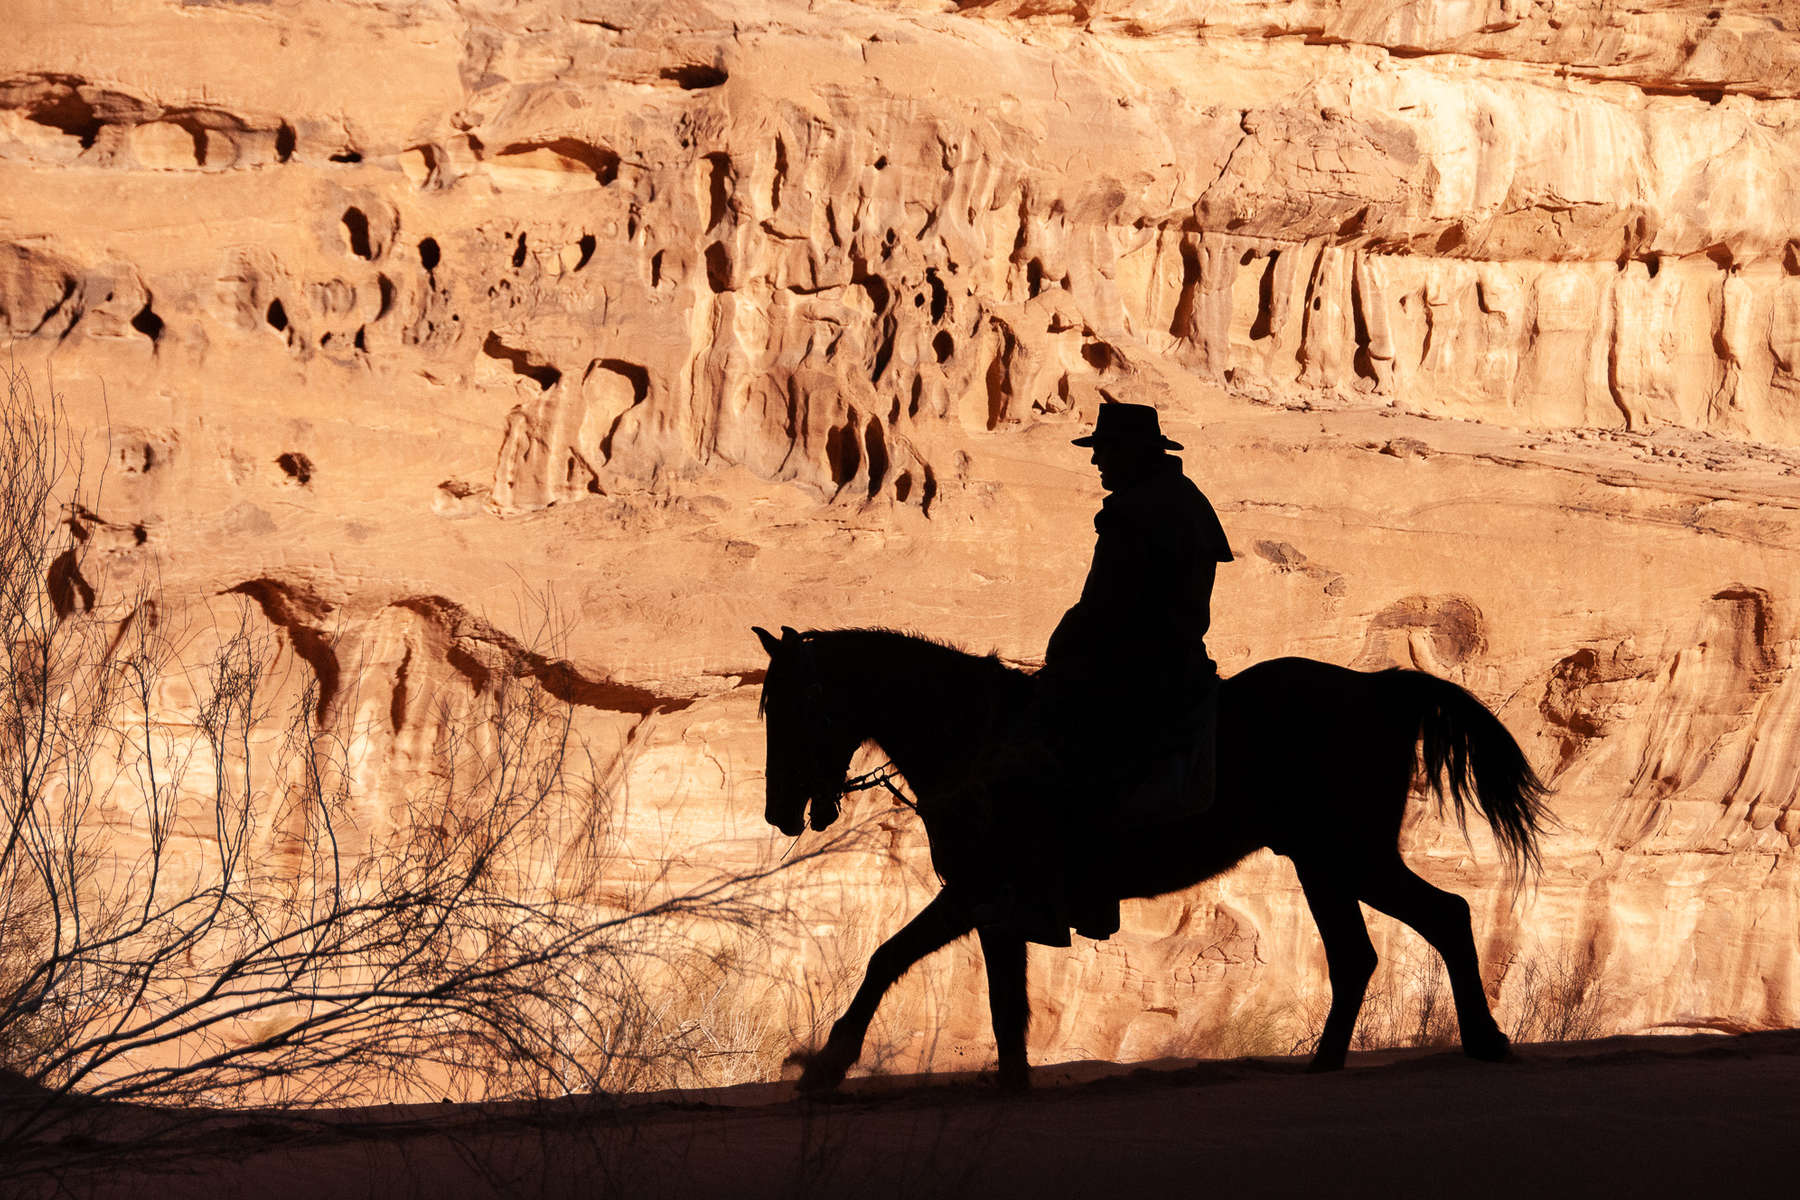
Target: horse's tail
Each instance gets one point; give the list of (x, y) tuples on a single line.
[(1464, 745)]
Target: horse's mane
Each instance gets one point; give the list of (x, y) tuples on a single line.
[(879, 643)]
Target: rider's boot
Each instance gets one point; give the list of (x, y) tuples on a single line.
[(1095, 916)]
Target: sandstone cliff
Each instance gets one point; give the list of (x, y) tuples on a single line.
[(1481, 323)]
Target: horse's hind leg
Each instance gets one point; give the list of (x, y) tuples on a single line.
[(1442, 919), (1349, 959), (1004, 955), (938, 924)]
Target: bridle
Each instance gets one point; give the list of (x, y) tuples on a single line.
[(882, 776), (813, 692)]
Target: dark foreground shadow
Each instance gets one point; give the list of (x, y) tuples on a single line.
[(1646, 1116)]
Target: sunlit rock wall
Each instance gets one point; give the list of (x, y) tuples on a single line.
[(409, 322)]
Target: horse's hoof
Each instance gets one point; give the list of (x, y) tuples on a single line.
[(1496, 1047), (1321, 1066), (820, 1073), (1015, 1079)]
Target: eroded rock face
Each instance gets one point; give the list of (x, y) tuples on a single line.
[(700, 320)]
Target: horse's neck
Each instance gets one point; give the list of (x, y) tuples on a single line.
[(923, 722)]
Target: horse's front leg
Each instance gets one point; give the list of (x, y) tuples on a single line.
[(1004, 954), (938, 924)]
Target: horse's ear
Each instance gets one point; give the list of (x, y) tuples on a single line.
[(789, 634), (770, 642)]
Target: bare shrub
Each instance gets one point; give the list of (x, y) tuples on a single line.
[(199, 904), (1258, 1030), (1408, 1003), (1560, 997)]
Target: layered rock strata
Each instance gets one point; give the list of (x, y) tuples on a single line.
[(1481, 323)]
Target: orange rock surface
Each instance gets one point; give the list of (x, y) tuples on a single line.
[(1480, 322)]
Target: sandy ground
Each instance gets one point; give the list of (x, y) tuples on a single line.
[(1666, 1116)]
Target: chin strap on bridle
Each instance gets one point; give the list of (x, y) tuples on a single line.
[(883, 777)]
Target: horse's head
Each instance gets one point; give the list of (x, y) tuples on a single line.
[(809, 745)]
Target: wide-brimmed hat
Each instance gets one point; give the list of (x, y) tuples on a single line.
[(1127, 424)]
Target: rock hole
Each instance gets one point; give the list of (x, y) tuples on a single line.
[(843, 455), (356, 224), (881, 163), (876, 441), (903, 485), (602, 162), (781, 170), (139, 534), (997, 387), (518, 256), (277, 316), (1361, 361), (586, 244), (347, 156), (1097, 355), (1264, 325), (385, 287), (1182, 322), (1652, 264), (429, 255), (139, 459), (656, 269), (147, 322), (284, 142), (940, 296), (874, 285), (359, 341), (691, 77), (196, 131), (1355, 224), (638, 376), (296, 466), (884, 350), (943, 345), (541, 373), (718, 268), (919, 300), (928, 493), (718, 187), (397, 705), (72, 115), (1790, 259), (918, 392), (1245, 259)]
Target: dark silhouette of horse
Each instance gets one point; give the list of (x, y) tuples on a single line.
[(1315, 762)]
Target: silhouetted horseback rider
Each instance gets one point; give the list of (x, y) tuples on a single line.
[(1126, 704), (1138, 633)]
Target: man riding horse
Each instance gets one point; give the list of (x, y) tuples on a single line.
[(1127, 694)]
